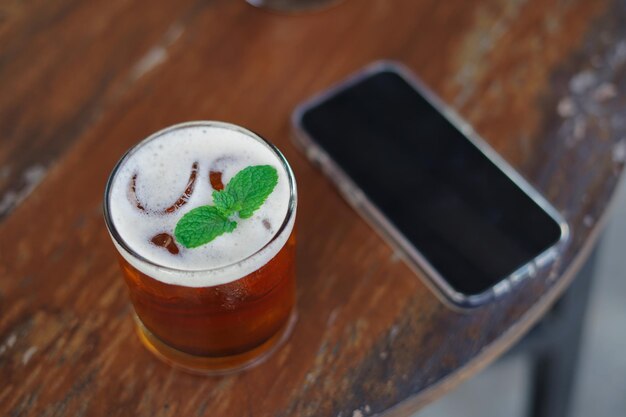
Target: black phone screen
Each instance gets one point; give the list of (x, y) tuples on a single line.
[(470, 221)]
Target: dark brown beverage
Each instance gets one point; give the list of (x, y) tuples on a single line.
[(225, 305), (216, 326)]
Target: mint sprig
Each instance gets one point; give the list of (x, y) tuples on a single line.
[(201, 225), (244, 194), (246, 191)]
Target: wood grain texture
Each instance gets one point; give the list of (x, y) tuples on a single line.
[(371, 337), (62, 64)]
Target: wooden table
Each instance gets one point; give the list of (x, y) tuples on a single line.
[(84, 80)]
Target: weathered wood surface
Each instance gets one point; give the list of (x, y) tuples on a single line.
[(543, 81)]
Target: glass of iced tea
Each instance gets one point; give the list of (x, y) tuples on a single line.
[(202, 215)]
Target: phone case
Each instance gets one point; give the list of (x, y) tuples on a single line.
[(389, 232)]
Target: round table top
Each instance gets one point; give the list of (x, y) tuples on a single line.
[(83, 81)]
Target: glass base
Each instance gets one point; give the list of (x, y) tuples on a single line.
[(294, 6), (206, 365)]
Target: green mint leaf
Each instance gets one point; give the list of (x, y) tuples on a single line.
[(225, 202), (249, 189), (244, 193), (201, 225)]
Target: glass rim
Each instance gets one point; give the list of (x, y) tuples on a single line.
[(291, 207)]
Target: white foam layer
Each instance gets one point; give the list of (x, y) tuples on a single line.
[(163, 165)]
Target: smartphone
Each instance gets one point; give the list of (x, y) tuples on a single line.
[(429, 184)]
